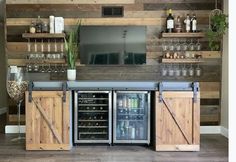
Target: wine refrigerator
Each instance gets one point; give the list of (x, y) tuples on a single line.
[(131, 117), (92, 116)]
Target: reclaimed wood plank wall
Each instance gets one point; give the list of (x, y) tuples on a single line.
[(151, 13)]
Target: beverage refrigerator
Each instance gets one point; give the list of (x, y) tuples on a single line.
[(92, 117), (131, 117)]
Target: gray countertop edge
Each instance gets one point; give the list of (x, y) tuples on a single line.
[(112, 85)]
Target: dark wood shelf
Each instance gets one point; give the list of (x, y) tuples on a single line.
[(24, 62), (181, 61), (183, 35), (43, 35)]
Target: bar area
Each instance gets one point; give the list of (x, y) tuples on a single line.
[(117, 80)]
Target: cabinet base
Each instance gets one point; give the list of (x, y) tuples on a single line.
[(177, 147)]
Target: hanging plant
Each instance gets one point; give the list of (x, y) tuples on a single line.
[(218, 25)]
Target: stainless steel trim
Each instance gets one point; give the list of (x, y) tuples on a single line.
[(110, 117), (115, 119), (142, 92), (92, 141), (149, 117), (114, 116), (93, 91), (76, 118)]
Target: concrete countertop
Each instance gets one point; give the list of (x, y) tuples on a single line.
[(113, 85)]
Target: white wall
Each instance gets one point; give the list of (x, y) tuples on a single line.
[(224, 86)]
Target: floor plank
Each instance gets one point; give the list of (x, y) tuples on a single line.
[(214, 148)]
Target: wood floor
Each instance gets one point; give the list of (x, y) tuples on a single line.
[(214, 148)]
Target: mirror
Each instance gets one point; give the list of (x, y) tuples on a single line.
[(113, 45)]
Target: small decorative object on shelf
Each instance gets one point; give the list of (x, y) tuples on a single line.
[(178, 25), (38, 25), (72, 50), (32, 28)]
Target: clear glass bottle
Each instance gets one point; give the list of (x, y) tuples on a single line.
[(32, 28), (187, 22), (38, 25)]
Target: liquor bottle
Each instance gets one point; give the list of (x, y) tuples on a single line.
[(38, 25), (194, 23), (170, 22), (187, 22), (32, 28), (178, 25)]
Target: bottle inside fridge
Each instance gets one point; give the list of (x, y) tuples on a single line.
[(93, 117)]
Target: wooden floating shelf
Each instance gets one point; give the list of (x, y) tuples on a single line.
[(181, 61), (183, 35), (43, 35), (10, 2), (24, 62)]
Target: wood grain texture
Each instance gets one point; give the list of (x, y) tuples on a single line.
[(150, 13), (92, 21), (177, 122), (69, 2), (48, 121)]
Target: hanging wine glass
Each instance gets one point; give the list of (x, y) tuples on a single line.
[(16, 87), (43, 70)]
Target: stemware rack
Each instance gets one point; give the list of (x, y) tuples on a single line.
[(44, 49)]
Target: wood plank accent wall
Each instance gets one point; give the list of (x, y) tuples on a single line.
[(150, 13)]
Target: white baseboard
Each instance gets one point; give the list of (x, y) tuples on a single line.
[(14, 129), (224, 132), (210, 129), (3, 110)]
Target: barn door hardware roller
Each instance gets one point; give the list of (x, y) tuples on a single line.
[(64, 88), (30, 89)]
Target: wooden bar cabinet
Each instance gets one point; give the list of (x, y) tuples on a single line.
[(48, 121), (177, 121)]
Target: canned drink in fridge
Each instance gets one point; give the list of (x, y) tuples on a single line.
[(132, 133)]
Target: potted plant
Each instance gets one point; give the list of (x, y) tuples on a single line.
[(218, 26), (72, 50)]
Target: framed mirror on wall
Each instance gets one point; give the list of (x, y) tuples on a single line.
[(113, 45)]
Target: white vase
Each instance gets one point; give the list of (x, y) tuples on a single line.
[(71, 74)]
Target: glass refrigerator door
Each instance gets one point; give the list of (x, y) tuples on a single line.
[(132, 117), (93, 117)]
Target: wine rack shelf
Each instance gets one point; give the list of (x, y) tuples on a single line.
[(92, 120)]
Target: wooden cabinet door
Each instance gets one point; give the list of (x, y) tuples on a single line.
[(177, 122), (48, 121)]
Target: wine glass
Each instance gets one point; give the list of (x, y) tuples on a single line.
[(16, 87), (198, 45)]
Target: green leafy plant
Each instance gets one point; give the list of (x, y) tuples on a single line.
[(72, 46), (219, 25)]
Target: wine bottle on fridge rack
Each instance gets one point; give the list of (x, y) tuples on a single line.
[(170, 22), (194, 23)]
